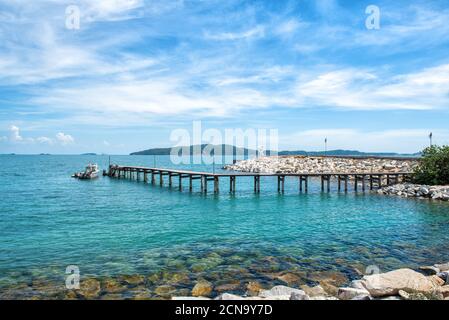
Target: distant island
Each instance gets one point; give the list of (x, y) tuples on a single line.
[(231, 150), (89, 154)]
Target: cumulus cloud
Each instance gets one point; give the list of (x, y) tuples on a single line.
[(64, 139), (15, 134)]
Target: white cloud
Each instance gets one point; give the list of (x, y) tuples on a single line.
[(256, 32), (44, 140), (15, 134), (364, 89), (64, 139)]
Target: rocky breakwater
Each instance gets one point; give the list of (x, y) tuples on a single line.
[(302, 164), (409, 190), (431, 283)]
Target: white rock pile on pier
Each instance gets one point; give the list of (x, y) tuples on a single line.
[(409, 190), (431, 283), (302, 164)]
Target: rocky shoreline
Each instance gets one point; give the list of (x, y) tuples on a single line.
[(430, 283), (409, 190), (303, 164)]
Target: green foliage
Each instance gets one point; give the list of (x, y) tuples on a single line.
[(433, 168)]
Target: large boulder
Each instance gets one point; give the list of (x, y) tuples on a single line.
[(389, 284)]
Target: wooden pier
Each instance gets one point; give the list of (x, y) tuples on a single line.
[(360, 181)]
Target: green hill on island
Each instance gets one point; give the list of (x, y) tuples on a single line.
[(231, 150)]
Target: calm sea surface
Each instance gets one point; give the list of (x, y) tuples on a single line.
[(110, 228)]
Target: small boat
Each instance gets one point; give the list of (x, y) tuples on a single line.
[(91, 172)]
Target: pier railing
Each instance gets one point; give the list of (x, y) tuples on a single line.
[(360, 181)]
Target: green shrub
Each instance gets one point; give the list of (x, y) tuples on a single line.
[(433, 168)]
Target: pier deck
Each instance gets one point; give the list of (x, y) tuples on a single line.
[(359, 180)]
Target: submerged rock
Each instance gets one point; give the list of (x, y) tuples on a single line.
[(90, 288), (202, 289), (351, 293)]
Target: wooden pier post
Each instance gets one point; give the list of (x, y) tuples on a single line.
[(322, 183), (363, 183), (371, 182), (153, 179), (170, 179), (339, 183), (145, 176), (202, 183), (216, 187), (161, 178), (346, 183), (283, 184), (356, 183), (205, 184), (328, 183), (300, 184), (190, 183), (180, 182), (279, 183), (306, 183)]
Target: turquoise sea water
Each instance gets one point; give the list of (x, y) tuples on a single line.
[(109, 227)]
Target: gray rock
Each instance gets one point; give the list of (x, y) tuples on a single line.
[(350, 293), (299, 296), (280, 291), (362, 297)]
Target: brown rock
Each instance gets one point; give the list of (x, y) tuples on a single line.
[(133, 280), (164, 291), (289, 278), (228, 287), (90, 288), (113, 286), (436, 280), (202, 289), (253, 288), (314, 291), (444, 290)]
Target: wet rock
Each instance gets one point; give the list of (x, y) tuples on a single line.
[(164, 291), (133, 280), (289, 278), (154, 278), (113, 286), (90, 288), (175, 278), (71, 295), (350, 293), (202, 289), (228, 287), (387, 284), (112, 296)]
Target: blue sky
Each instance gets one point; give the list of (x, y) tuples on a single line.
[(138, 69)]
